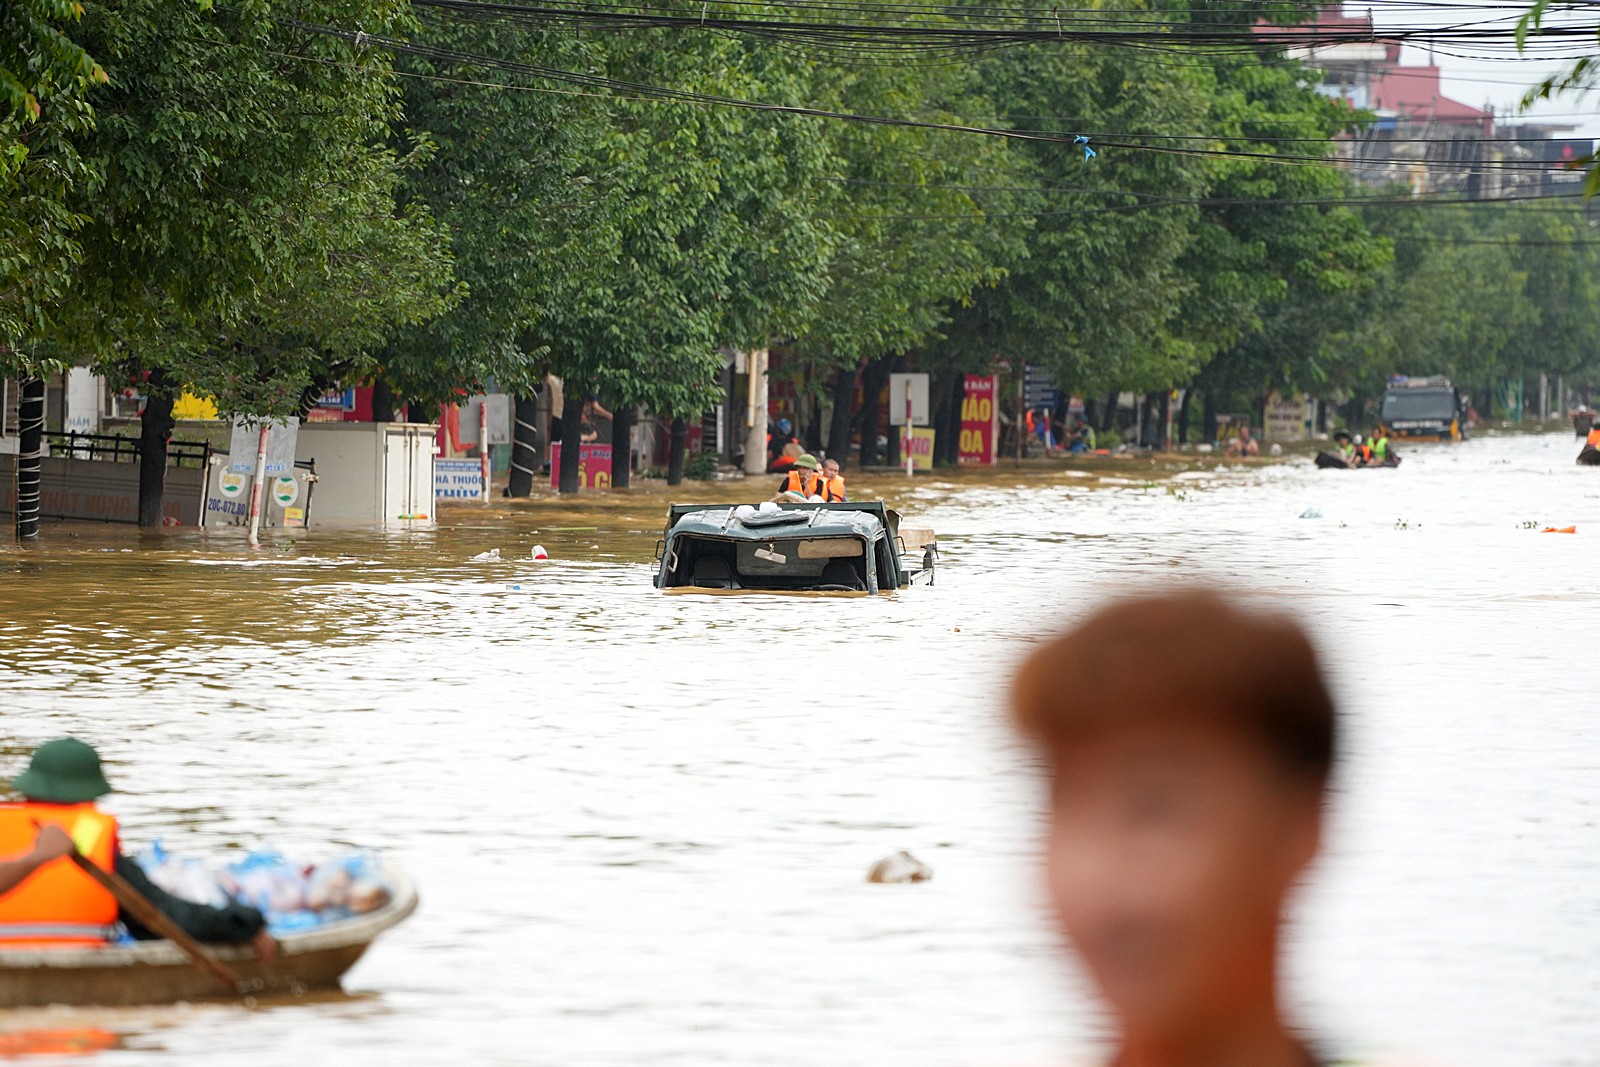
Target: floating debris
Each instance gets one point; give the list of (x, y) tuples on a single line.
[(898, 869)]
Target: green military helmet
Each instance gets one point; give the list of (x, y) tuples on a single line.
[(808, 461), (64, 771)]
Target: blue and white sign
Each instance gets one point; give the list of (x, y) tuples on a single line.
[(1039, 389), (338, 400), (457, 479), (282, 435)]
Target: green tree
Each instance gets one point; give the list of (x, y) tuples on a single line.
[(242, 235), (44, 76)]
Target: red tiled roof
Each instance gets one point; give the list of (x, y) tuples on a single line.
[(1414, 93)]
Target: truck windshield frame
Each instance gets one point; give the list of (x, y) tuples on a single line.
[(1414, 405)]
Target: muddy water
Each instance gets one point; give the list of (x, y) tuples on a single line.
[(641, 823)]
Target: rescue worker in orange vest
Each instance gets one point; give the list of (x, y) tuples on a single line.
[(1594, 437), (46, 901), (830, 487), (802, 482)]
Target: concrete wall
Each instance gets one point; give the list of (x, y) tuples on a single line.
[(109, 492)]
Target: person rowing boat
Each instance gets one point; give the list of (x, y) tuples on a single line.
[(47, 901)]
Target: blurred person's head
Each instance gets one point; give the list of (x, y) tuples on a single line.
[(830, 467), (1189, 741)]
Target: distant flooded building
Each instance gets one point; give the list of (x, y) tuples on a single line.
[(1421, 138)]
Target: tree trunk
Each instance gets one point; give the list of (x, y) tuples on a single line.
[(844, 395), (676, 442), (1209, 415), (1108, 418), (1183, 416), (947, 423), (571, 436), (622, 445), (524, 450), (30, 456), (155, 430), (382, 401), (873, 379), (812, 438)]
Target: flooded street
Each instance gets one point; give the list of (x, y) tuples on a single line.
[(640, 823)]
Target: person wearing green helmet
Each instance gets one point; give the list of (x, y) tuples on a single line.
[(802, 482), (46, 901)]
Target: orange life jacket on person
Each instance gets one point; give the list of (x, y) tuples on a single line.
[(58, 905), (802, 481), (1594, 437), (831, 490)]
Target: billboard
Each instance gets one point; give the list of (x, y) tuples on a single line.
[(594, 466), (980, 413), (1561, 178)]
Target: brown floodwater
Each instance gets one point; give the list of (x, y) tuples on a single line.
[(641, 823)]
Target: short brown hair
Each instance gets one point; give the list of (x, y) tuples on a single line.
[(1193, 653)]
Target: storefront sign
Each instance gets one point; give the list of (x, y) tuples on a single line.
[(594, 466), (1286, 418), (457, 479), (919, 447), (979, 420), (338, 399)]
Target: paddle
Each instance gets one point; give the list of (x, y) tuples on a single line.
[(156, 921)]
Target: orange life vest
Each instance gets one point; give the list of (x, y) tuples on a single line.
[(58, 905), (802, 481), (1594, 437), (831, 490)]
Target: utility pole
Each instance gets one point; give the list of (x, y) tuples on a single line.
[(755, 441)]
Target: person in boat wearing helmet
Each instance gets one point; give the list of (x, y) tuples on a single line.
[(1344, 447), (1188, 741), (46, 901)]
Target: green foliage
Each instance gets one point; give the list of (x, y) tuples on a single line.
[(260, 210), (241, 234), (44, 75)]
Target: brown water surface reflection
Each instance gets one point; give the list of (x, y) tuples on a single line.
[(641, 822)]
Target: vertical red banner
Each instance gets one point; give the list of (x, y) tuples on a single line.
[(979, 420)]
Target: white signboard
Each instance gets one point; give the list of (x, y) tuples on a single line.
[(1288, 418), (499, 419), (83, 401), (914, 385), (280, 445), (457, 479)]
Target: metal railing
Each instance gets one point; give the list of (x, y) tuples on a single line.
[(112, 448)]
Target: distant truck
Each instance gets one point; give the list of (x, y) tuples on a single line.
[(1422, 409)]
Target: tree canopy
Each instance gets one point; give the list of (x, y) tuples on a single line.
[(265, 199)]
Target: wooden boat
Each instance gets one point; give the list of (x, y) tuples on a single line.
[(793, 547), (156, 972), (1589, 457)]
